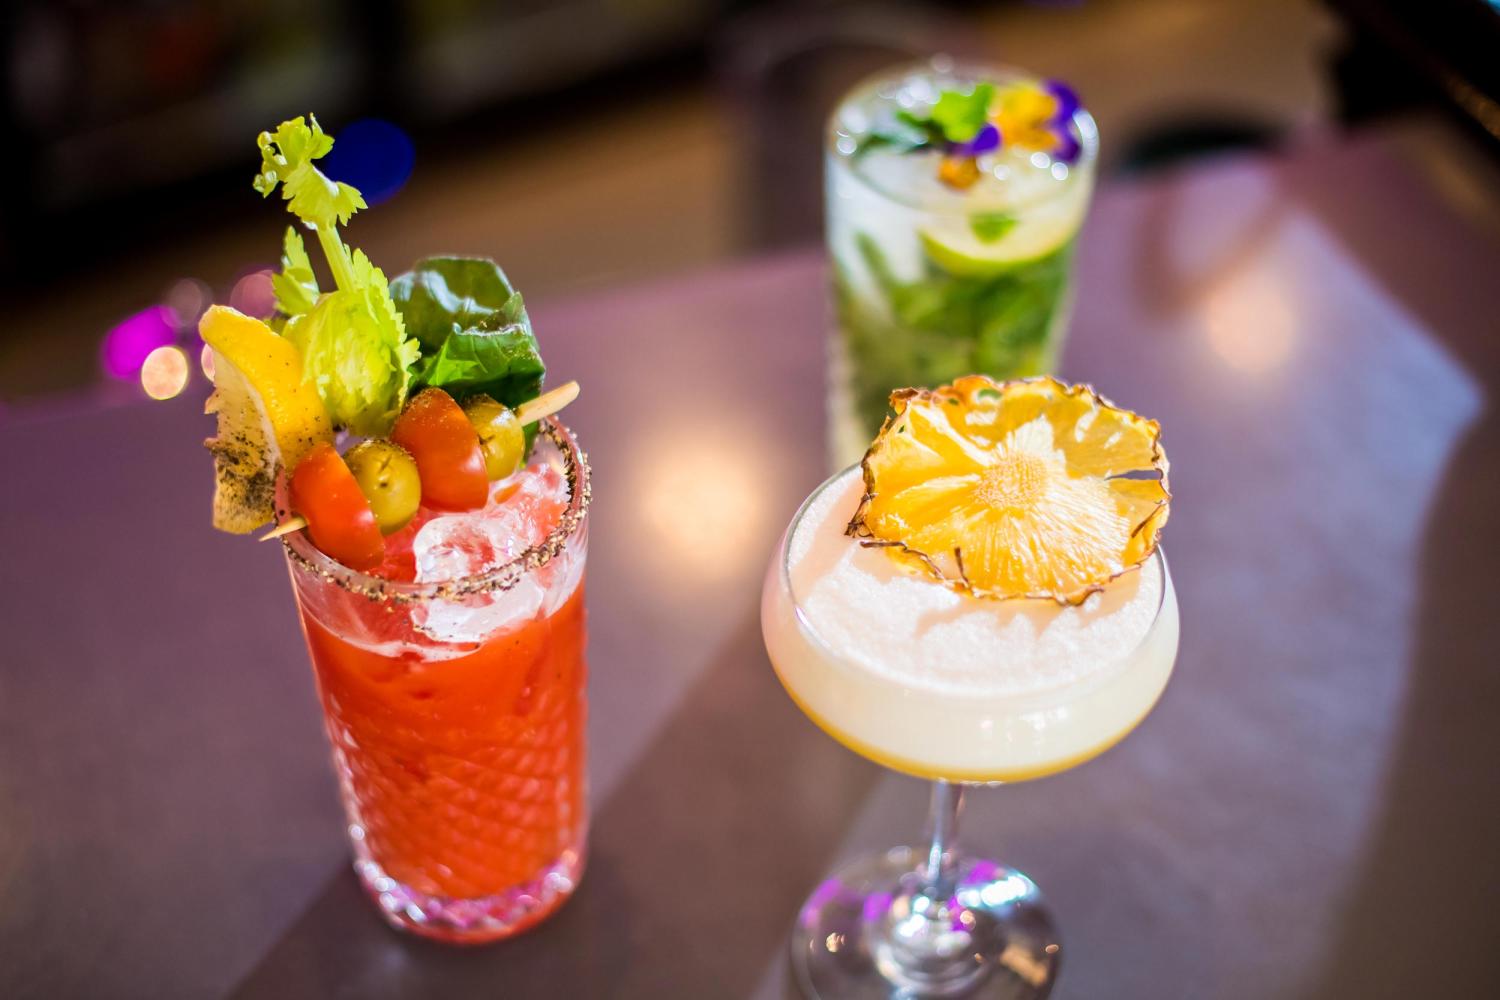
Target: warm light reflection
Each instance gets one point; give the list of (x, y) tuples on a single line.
[(206, 362), (1250, 324), (165, 372), (702, 501), (253, 295)]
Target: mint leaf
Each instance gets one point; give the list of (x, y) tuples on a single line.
[(896, 140), (473, 327), (296, 287), (960, 115), (989, 227), (906, 134)]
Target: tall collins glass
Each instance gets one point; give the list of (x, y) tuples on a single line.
[(455, 703), (949, 258)]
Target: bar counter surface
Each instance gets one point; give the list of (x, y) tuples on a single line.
[(1310, 812)]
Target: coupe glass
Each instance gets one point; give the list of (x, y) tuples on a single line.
[(456, 713), (932, 921)]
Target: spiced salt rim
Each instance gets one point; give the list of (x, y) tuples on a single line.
[(307, 557)]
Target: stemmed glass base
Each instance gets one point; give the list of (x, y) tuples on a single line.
[(912, 923)]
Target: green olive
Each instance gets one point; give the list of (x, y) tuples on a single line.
[(500, 435), (387, 476)]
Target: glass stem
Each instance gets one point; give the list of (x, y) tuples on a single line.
[(942, 827), (924, 947)]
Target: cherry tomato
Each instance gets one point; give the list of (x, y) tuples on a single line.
[(446, 447), (338, 516)]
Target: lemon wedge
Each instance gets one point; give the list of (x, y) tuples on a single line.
[(1023, 489), (269, 416)]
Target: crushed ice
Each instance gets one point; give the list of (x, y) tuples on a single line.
[(451, 546)]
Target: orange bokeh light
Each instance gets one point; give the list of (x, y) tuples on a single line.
[(165, 372)]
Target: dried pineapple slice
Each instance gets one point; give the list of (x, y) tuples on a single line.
[(1024, 489)]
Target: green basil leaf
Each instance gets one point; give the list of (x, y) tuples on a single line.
[(473, 327), (503, 364), (442, 295)]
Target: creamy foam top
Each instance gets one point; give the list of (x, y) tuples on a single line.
[(915, 631)]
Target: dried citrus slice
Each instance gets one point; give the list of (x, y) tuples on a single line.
[(269, 416), (1029, 488)]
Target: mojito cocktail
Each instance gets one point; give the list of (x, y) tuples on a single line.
[(434, 519), (954, 200)]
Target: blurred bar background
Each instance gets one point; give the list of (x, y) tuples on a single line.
[(591, 142)]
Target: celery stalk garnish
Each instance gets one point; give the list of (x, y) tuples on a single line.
[(353, 341)]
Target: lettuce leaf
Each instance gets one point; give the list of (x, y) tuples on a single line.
[(473, 327)]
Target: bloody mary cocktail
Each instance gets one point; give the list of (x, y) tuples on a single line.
[(455, 706), (433, 516)]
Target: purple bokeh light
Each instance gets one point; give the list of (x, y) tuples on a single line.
[(253, 294), (827, 891), (876, 906), (126, 346)]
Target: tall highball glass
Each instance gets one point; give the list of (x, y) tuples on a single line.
[(455, 710), (929, 282)]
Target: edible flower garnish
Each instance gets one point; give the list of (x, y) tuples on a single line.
[(353, 342), (1038, 117), (966, 124)]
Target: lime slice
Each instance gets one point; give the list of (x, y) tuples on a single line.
[(955, 244)]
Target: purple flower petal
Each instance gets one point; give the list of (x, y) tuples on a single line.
[(1066, 148), (1067, 100), (986, 140)]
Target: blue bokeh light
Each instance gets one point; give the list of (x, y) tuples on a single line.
[(373, 155)]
